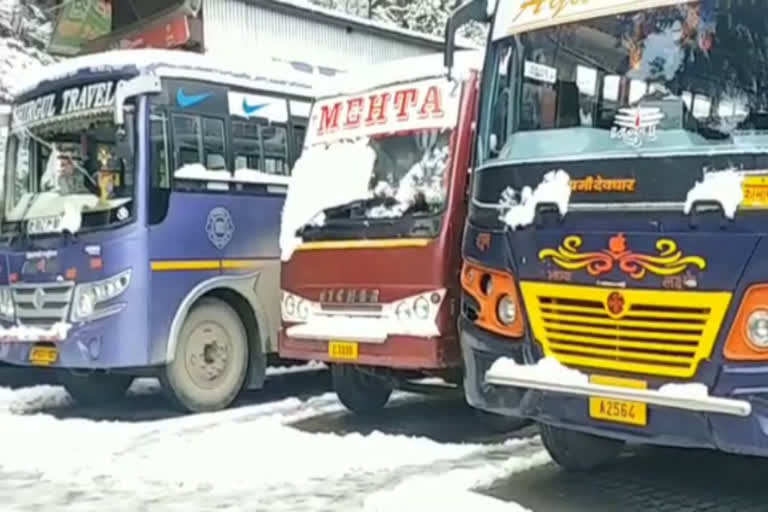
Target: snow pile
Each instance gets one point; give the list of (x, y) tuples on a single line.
[(520, 208), (201, 173), (17, 333), (32, 399), (24, 53), (47, 204), (723, 187), (689, 390), (425, 181), (312, 366), (456, 490), (324, 176), (545, 370)]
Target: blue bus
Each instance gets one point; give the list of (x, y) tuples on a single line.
[(142, 200)]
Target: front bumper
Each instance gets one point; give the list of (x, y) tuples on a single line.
[(397, 352), (735, 421)]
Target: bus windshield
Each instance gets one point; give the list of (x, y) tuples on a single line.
[(673, 80), (63, 171)]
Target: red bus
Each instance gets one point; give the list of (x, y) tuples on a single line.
[(372, 228)]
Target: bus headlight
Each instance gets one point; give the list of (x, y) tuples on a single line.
[(419, 307), (506, 310), (757, 328), (90, 295), (7, 307), (294, 308)]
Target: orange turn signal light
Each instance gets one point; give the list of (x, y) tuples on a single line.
[(496, 294), (748, 338)]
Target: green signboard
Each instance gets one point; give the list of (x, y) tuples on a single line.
[(80, 21)]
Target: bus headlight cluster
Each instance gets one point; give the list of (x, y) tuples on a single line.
[(419, 307), (89, 295), (506, 310), (294, 308), (7, 307), (757, 328)]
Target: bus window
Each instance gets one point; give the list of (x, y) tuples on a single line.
[(186, 131), (246, 145), (275, 141), (213, 144), (160, 168)]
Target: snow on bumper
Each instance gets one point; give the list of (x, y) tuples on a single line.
[(549, 375), (365, 330), (25, 334)]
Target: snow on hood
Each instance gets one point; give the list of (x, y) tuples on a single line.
[(324, 176), (520, 208), (47, 204), (723, 187), (18, 333)]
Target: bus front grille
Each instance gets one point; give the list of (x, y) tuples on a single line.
[(42, 304), (651, 332)]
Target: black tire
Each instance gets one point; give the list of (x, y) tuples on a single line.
[(211, 360), (97, 388), (360, 392), (500, 423), (576, 451)]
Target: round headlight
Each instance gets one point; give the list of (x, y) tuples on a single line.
[(402, 312), (421, 308), (757, 328), (302, 309), (290, 305), (506, 310)]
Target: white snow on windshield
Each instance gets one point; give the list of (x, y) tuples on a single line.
[(324, 176), (424, 181)]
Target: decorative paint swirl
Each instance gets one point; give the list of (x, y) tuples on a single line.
[(669, 262)]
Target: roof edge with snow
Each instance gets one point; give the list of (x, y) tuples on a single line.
[(255, 72), (408, 69)]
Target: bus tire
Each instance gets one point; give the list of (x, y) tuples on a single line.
[(96, 388), (577, 451), (211, 359), (359, 391)]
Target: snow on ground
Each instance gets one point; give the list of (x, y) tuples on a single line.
[(247, 458)]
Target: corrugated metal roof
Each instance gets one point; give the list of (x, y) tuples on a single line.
[(307, 9)]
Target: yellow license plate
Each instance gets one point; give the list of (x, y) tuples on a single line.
[(343, 350), (43, 356), (618, 411)]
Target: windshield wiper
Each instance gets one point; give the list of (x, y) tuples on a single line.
[(347, 210)]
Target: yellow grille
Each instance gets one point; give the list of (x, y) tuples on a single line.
[(660, 332)]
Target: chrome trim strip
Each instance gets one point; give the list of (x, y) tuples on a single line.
[(650, 396)]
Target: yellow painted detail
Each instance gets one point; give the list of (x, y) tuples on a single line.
[(618, 411), (364, 244), (182, 265), (661, 332), (755, 192)]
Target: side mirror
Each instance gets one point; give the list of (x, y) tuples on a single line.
[(474, 10), (143, 84)]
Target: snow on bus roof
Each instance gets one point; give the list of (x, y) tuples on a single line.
[(401, 70), (250, 72)]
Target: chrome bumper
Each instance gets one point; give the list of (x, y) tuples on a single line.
[(649, 396)]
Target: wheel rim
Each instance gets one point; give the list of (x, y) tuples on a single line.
[(208, 357)]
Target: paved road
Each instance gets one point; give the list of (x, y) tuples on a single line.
[(650, 480)]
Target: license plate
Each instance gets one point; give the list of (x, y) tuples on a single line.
[(43, 356), (344, 350), (618, 411)]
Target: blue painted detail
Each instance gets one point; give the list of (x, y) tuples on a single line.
[(220, 227), (252, 109), (186, 101)]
